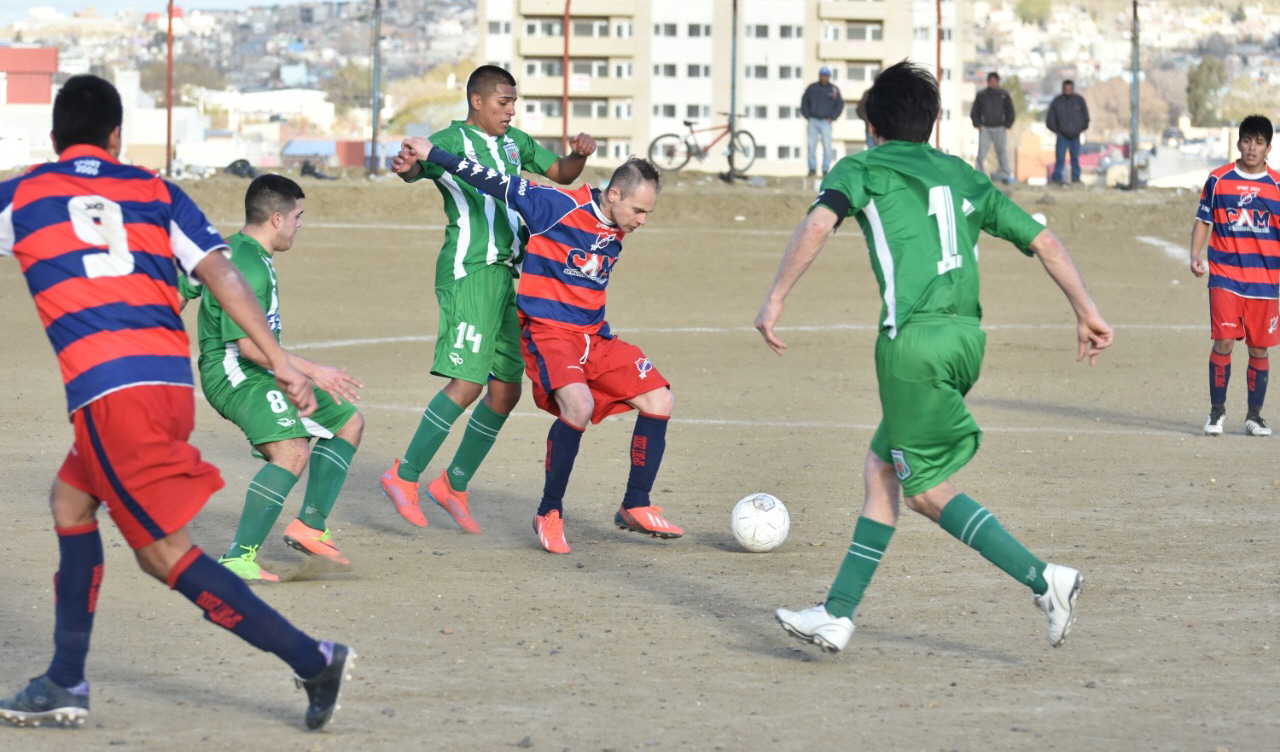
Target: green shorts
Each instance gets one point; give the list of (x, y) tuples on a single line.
[(479, 332), (926, 431), (260, 409)]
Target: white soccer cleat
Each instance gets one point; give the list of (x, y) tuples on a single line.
[(1213, 426), (1059, 601), (815, 625), (1254, 425)]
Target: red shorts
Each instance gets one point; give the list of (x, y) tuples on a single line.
[(1253, 320), (131, 453), (615, 371)]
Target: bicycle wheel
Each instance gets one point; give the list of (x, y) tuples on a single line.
[(669, 152), (742, 152)]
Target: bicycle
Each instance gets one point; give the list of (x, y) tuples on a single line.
[(671, 151)]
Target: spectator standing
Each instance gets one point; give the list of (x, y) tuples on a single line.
[(821, 104), (1068, 117), (992, 114)]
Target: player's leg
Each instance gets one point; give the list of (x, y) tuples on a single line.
[(227, 601), (1260, 334), (61, 696), (490, 414), (338, 428), (263, 502), (829, 625), (1226, 325), (563, 440)]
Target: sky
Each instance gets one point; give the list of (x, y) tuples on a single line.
[(13, 11)]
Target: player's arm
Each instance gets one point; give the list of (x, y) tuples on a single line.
[(1199, 237), (405, 164), (1092, 332), (225, 282), (806, 243), (566, 169)]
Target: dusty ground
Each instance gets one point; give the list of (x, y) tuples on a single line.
[(489, 643)]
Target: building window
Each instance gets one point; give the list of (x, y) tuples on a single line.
[(698, 70), (785, 152), (664, 70), (756, 111), (756, 71), (590, 108), (623, 30), (591, 27), (595, 68), (756, 31), (790, 71), (548, 107), (697, 111), (622, 70), (543, 27), (664, 110), (786, 112), (664, 30), (864, 31), (620, 149), (622, 110), (499, 27), (924, 33), (543, 66), (699, 30), (787, 31), (863, 70)]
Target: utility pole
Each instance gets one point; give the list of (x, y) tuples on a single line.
[(1133, 107), (377, 85), (168, 101)]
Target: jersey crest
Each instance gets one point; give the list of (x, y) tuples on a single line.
[(512, 150)]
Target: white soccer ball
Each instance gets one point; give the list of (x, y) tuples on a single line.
[(760, 523)]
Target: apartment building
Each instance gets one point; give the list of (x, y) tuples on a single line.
[(640, 68)]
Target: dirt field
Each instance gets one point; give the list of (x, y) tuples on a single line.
[(628, 643)]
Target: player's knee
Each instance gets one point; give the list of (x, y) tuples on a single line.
[(658, 402), (353, 430)]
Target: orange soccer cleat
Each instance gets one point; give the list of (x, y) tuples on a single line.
[(454, 502), (647, 520), (550, 530), (403, 494)]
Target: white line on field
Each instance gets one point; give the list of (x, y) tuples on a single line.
[(741, 329), (1171, 249), (835, 425)]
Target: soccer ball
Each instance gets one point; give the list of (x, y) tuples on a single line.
[(760, 523)]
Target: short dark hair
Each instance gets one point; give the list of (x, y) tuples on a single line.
[(902, 104), (85, 111), (992, 75), (1256, 125), (1070, 83), (268, 194), (631, 173), (487, 79)]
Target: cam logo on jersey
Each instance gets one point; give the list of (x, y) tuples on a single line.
[(590, 266)]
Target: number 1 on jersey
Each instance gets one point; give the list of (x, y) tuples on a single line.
[(943, 210), (467, 333)]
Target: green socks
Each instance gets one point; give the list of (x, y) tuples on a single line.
[(432, 430), (870, 539), (330, 461), (978, 529), (482, 431), (262, 505)]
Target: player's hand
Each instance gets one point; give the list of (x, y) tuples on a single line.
[(1198, 266), (582, 145), (768, 316), (1095, 335), (417, 147), (297, 387), (337, 382)]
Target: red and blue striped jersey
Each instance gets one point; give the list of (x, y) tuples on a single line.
[(571, 251), (96, 241), (1244, 246)]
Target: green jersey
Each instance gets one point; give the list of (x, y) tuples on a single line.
[(480, 231), (220, 361), (921, 212)]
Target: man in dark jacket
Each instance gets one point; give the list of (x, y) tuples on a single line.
[(821, 104), (1068, 117), (992, 115)]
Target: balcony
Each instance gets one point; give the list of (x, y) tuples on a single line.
[(579, 86), (606, 47), (846, 49), (849, 10), (598, 8)]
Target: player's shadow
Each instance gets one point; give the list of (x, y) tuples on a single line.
[(1105, 418)]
